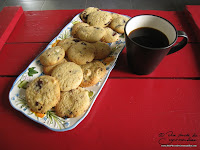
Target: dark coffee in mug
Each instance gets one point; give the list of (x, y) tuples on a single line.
[(149, 37)]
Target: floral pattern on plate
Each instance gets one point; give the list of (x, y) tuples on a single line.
[(34, 70)]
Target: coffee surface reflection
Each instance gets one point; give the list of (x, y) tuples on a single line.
[(149, 37)]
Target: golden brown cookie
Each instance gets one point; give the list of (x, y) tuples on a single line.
[(102, 50), (99, 18), (73, 103), (87, 11), (91, 33), (118, 24), (110, 36), (92, 73), (81, 53), (52, 56), (48, 69), (76, 27), (69, 75), (43, 93), (66, 43), (116, 15)]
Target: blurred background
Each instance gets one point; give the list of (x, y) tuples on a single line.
[(167, 5)]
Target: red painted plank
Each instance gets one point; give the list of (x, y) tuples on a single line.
[(9, 17), (15, 58), (132, 117), (182, 64), (43, 26), (6, 84), (193, 14)]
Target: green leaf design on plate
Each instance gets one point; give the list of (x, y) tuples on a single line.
[(22, 102), (65, 35), (32, 71), (54, 118), (75, 22), (121, 36), (114, 48), (23, 84), (90, 93)]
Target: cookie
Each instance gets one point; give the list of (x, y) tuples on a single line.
[(76, 27), (52, 56), (110, 36), (73, 103), (66, 43), (99, 18), (81, 53), (116, 15), (91, 33), (69, 75), (43, 93), (118, 24), (48, 69), (102, 50), (86, 12), (92, 73)]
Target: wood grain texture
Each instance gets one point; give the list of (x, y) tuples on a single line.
[(9, 17), (15, 58)]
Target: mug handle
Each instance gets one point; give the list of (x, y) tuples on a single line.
[(181, 44)]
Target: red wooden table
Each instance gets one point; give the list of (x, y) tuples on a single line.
[(131, 112)]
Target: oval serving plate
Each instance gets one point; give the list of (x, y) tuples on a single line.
[(34, 70)]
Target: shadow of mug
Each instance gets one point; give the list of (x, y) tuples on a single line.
[(143, 59)]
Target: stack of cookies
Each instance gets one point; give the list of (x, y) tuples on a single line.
[(75, 63), (99, 25)]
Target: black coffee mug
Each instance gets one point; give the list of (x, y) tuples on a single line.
[(144, 54)]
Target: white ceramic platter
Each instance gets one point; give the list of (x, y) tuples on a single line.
[(34, 70)]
